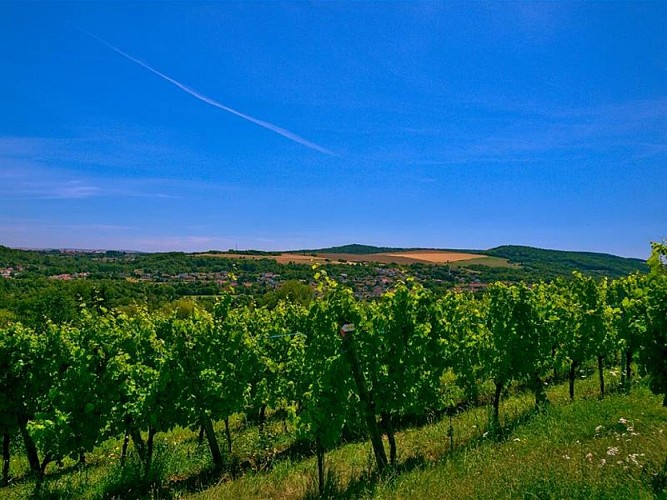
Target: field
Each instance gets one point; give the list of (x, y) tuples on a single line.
[(615, 448), (436, 257)]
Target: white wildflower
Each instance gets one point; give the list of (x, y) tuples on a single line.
[(598, 429), (603, 461), (566, 457), (612, 450), (589, 456), (622, 421)]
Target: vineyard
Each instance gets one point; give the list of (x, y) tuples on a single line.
[(337, 370)]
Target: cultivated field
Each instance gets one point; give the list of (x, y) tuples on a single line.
[(407, 257), (435, 257)]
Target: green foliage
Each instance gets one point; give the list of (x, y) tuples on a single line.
[(401, 353), (653, 353), (69, 385), (548, 264), (291, 291), (354, 248), (325, 385), (459, 320)]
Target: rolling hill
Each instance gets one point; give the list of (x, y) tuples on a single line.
[(538, 260)]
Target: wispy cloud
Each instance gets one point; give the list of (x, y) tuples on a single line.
[(522, 132), (267, 125), (32, 181), (19, 224), (180, 243), (37, 184), (75, 189)]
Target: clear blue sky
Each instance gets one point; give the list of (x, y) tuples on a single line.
[(457, 125)]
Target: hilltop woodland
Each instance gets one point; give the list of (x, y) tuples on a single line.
[(333, 367)]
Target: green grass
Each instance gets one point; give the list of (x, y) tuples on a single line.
[(557, 454), (539, 455), (591, 448)]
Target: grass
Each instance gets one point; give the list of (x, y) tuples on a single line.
[(579, 450), (589, 448), (568, 450)]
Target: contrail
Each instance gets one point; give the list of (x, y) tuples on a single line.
[(270, 126)]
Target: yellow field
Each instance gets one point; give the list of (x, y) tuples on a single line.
[(435, 257), (408, 257)]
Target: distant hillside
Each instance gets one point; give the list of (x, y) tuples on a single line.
[(531, 264), (355, 249), (535, 263), (558, 261)]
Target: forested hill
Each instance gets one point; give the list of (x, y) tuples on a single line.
[(353, 249), (536, 263), (559, 261)]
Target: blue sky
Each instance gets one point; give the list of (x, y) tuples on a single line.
[(455, 125)]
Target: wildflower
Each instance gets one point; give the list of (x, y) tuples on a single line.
[(566, 457), (612, 450), (517, 439), (603, 461), (598, 429), (622, 421), (589, 456)]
